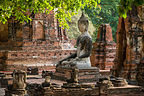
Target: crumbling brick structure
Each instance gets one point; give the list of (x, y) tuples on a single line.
[(130, 45), (104, 48), (40, 42)]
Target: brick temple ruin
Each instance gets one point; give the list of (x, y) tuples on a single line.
[(31, 48), (38, 43), (103, 53), (130, 46), (49, 87)]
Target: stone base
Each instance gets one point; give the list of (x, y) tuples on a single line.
[(48, 91), (71, 85), (128, 90), (118, 82), (134, 82), (88, 85), (76, 85), (85, 75), (75, 92), (18, 92)]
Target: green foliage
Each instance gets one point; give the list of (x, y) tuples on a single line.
[(106, 13), (19, 9), (65, 9), (126, 5)]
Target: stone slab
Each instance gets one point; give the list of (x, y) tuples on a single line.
[(84, 75)]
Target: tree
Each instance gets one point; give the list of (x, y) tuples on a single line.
[(107, 14), (126, 5), (64, 8)]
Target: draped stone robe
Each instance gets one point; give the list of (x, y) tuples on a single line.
[(82, 57)]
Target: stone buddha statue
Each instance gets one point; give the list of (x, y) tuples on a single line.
[(80, 59)]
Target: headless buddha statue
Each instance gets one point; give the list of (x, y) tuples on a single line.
[(80, 59)]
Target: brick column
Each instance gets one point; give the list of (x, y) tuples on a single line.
[(103, 52), (130, 44)]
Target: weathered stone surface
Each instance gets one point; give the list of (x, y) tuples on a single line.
[(84, 75), (80, 60), (19, 84), (104, 48), (35, 89), (77, 90), (4, 32), (47, 82), (140, 74), (118, 82), (74, 76), (3, 58), (85, 90), (130, 44), (19, 80)]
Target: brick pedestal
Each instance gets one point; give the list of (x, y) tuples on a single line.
[(84, 75)]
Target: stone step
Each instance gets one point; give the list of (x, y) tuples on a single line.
[(84, 75)]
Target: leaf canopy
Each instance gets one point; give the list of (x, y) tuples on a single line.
[(107, 13), (126, 5), (65, 8)]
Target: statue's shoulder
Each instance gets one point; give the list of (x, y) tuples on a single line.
[(86, 38)]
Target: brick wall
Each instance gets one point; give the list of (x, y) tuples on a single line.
[(40, 42)]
